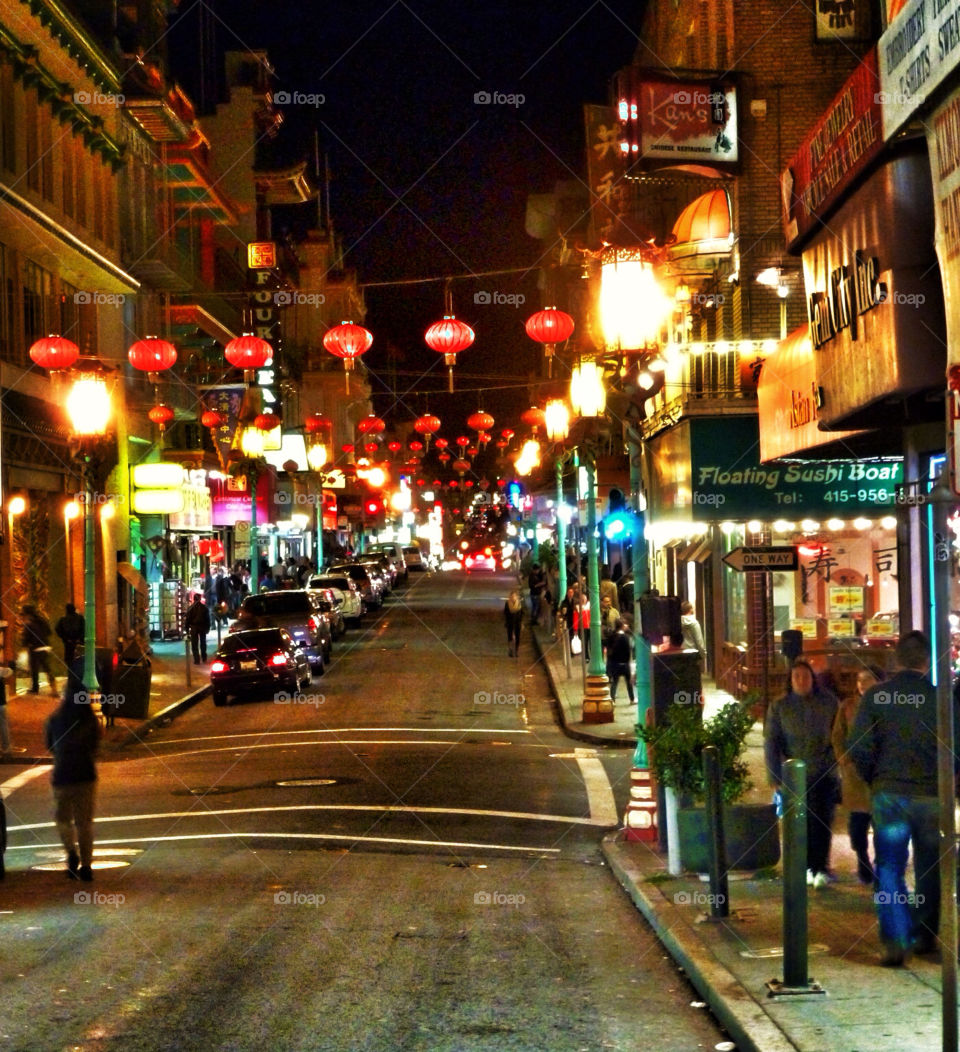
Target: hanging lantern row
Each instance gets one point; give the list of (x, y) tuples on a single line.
[(315, 423), (427, 425), (348, 341), (534, 418), (507, 433), (394, 446), (371, 425), (161, 415), (152, 355), (213, 418), (462, 441), (480, 421), (248, 352), (266, 421), (441, 444)]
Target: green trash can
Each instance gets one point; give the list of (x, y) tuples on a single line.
[(130, 693)]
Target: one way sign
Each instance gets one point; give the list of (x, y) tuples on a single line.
[(771, 557)]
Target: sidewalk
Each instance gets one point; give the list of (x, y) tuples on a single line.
[(27, 712), (865, 1008)]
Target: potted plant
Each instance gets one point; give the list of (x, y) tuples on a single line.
[(676, 747)]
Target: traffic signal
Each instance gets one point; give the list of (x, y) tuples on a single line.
[(373, 512)]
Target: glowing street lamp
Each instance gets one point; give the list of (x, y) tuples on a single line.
[(89, 407)]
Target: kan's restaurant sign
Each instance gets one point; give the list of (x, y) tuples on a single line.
[(840, 146)]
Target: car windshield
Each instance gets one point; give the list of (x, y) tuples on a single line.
[(264, 639), (278, 603), (331, 582)]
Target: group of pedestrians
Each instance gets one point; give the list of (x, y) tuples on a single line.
[(877, 751)]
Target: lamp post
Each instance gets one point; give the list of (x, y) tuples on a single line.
[(588, 398), (89, 408), (71, 511)]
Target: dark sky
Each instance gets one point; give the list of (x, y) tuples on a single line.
[(427, 182)]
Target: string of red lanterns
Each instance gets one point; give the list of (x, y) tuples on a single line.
[(348, 341), (549, 327), (449, 337)]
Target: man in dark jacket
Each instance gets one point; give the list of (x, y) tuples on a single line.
[(70, 628), (197, 623), (35, 637), (893, 744), (619, 654), (72, 734)]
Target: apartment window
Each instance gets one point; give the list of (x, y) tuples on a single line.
[(33, 139), (8, 152), (37, 294), (69, 313)]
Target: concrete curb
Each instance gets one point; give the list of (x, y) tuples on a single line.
[(571, 732), (737, 1010), (162, 717)]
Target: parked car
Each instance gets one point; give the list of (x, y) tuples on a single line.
[(352, 608), (384, 565), (414, 559), (332, 605), (379, 573), (369, 592), (394, 552), (296, 610), (258, 660)]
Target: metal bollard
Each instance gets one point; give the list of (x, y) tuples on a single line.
[(795, 977), (719, 892)]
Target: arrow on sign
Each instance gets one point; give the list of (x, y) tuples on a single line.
[(770, 557)]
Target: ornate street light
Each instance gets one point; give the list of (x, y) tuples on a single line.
[(89, 407)]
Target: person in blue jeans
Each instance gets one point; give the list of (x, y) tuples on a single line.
[(893, 744)]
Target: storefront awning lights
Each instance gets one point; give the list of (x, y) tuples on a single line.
[(809, 526), (889, 522), (835, 524), (862, 524), (782, 526), (754, 526)]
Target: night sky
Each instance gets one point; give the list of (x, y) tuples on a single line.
[(426, 182)]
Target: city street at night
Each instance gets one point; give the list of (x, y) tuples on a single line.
[(404, 857)]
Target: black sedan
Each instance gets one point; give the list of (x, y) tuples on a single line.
[(258, 661)]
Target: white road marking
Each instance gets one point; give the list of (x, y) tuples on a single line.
[(603, 808), (340, 741), (11, 785), (381, 808), (340, 730), (339, 837)]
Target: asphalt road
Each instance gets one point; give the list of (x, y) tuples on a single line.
[(405, 857)]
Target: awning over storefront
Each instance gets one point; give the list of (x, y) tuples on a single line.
[(702, 230), (789, 400)]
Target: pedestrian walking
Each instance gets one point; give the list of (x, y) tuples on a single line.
[(798, 727), (692, 632), (855, 791), (608, 589), (619, 653), (581, 619), (893, 745), (609, 619), (35, 637), (72, 734), (197, 622), (70, 628), (5, 673), (513, 617), (565, 613), (536, 584)]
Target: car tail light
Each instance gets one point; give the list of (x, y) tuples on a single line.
[(278, 659), (218, 666), (314, 624)]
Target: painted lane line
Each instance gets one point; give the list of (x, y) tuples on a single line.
[(603, 807), (338, 837), (342, 730), (11, 785), (331, 744), (526, 816)]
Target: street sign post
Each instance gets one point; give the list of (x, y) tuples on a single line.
[(766, 557)]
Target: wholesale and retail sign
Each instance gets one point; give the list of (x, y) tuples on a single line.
[(916, 53), (842, 143), (728, 482), (943, 142)]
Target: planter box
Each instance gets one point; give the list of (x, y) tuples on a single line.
[(751, 832)]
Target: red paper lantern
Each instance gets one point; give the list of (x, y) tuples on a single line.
[(461, 466), (394, 446), (314, 423), (371, 425), (416, 446), (421, 482), (502, 483), (161, 415), (290, 466), (152, 355), (452, 484), (441, 443), (549, 327), (266, 421), (534, 417), (472, 451), (370, 447), (54, 352), (502, 443), (483, 438), (437, 483), (248, 352), (444, 457), (348, 341), (203, 546), (480, 421), (426, 424), (469, 483), (449, 337), (507, 433), (213, 418), (347, 447), (463, 441)]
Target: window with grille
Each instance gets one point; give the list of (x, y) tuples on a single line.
[(37, 294)]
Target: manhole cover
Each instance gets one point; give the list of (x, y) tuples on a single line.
[(307, 781)]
